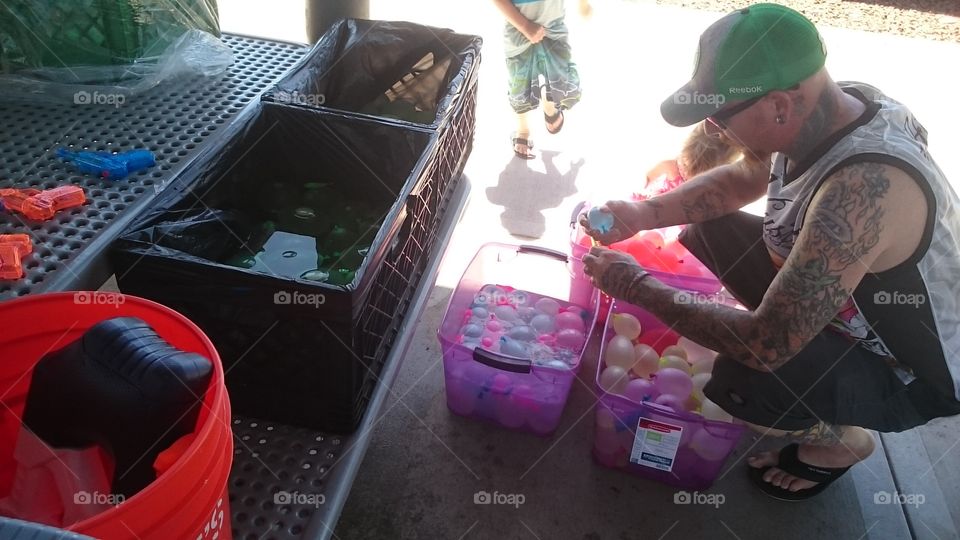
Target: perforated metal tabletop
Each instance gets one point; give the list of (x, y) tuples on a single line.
[(179, 122), (176, 121)]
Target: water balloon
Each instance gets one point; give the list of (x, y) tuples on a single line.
[(543, 323), (548, 306), (675, 350), (674, 382), (648, 361), (567, 320), (522, 333), (640, 390), (674, 362), (626, 325), (614, 379), (695, 351), (619, 352), (699, 381), (571, 339)]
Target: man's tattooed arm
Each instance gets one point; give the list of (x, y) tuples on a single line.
[(715, 193), (843, 234)]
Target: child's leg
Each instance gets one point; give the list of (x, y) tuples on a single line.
[(522, 97), (562, 88)]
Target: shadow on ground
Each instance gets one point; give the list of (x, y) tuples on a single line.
[(523, 191)]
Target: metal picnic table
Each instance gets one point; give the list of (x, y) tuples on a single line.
[(180, 122)]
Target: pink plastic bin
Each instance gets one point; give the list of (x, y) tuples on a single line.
[(617, 419), (691, 275), (512, 392)]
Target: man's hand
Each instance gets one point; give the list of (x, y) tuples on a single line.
[(613, 272), (534, 32), (628, 219)]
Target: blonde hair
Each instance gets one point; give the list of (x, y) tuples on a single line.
[(702, 152)]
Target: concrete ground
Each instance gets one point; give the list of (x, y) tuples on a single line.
[(425, 465)]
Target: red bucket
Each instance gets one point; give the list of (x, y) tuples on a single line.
[(190, 499)]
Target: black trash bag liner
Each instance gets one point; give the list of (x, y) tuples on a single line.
[(295, 350), (400, 70), (205, 233), (219, 205)]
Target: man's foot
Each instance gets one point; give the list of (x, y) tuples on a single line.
[(830, 457), (798, 472), (522, 146)]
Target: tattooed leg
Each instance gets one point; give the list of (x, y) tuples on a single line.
[(821, 445)]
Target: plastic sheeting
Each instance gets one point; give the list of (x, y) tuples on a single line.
[(104, 51), (406, 71)]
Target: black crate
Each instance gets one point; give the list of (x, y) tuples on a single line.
[(357, 63), (306, 365), (358, 60)]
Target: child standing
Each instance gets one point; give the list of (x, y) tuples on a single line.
[(535, 43)]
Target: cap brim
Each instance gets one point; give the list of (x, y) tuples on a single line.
[(681, 109)]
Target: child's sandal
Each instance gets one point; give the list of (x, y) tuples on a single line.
[(550, 119), (526, 142)]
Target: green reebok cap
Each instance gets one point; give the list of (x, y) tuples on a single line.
[(747, 53)]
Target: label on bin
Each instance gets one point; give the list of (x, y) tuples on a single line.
[(656, 444)]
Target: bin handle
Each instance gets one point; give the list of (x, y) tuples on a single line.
[(501, 362), (546, 252), (576, 213)]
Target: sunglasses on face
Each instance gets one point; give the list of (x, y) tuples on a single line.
[(720, 118)]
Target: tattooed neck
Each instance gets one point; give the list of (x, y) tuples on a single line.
[(818, 125)]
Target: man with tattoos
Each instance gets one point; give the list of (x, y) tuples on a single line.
[(852, 277)]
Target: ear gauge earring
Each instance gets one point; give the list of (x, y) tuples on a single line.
[(780, 119)]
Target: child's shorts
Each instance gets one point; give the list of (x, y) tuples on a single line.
[(550, 58)]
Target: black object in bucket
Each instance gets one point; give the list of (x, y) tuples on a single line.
[(413, 74), (123, 387), (295, 350)]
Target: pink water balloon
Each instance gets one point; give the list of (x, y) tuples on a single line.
[(640, 390), (571, 339), (569, 320), (674, 382)]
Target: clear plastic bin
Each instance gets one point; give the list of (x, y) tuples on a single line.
[(704, 445), (486, 383)]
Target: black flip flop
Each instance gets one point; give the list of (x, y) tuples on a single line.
[(791, 464), (526, 142), (550, 119)]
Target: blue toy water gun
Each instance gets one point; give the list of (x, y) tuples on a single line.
[(107, 165)]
